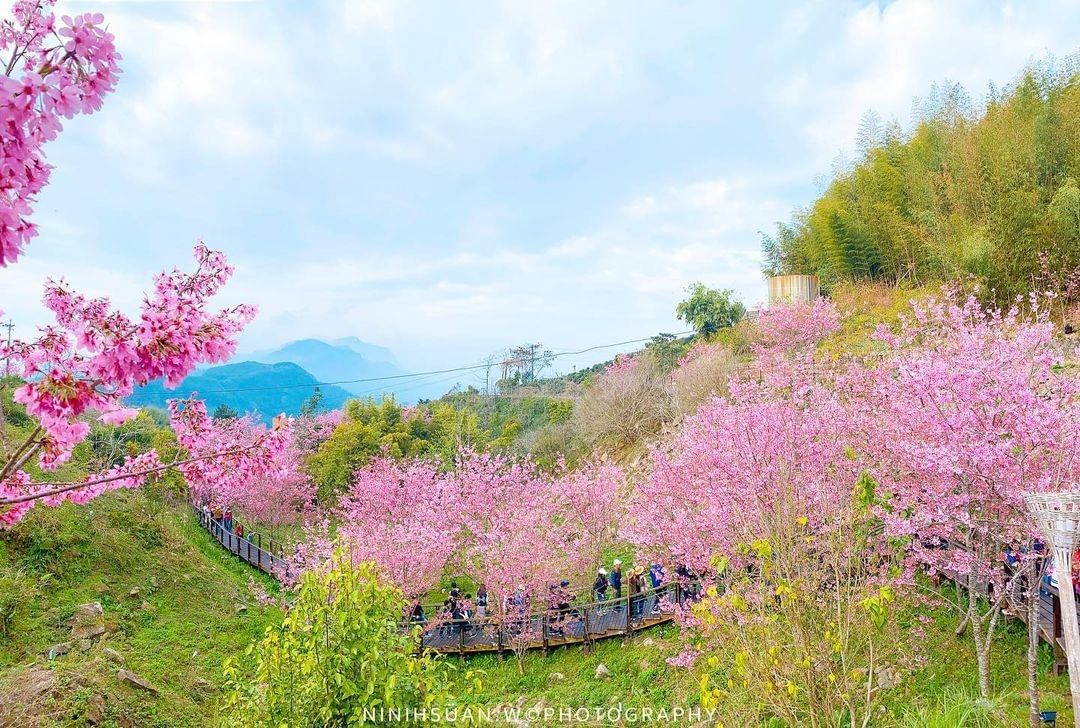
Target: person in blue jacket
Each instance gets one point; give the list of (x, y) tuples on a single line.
[(615, 579), (600, 585)]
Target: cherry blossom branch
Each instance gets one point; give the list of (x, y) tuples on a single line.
[(121, 476), (17, 458)]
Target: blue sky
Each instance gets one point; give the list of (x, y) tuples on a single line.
[(450, 178)]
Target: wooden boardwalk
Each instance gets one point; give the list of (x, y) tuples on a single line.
[(257, 553), (584, 623)]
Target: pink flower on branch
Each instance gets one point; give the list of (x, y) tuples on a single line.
[(50, 71), (94, 356)]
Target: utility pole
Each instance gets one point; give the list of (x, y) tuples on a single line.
[(7, 360)]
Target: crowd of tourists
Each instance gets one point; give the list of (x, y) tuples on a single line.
[(613, 590)]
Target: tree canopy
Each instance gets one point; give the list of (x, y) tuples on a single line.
[(709, 310)]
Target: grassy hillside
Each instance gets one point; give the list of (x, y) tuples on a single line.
[(193, 607), (175, 605)]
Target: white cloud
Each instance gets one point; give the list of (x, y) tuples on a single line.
[(624, 277), (446, 178), (886, 54)]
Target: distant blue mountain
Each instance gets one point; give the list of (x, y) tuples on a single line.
[(349, 359), (256, 388), (371, 352), (340, 362)]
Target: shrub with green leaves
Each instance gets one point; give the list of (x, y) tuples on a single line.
[(338, 658)]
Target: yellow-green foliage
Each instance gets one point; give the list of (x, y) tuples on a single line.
[(338, 652), (864, 306)]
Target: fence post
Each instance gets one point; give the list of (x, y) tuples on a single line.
[(629, 602), (461, 636), (544, 631)]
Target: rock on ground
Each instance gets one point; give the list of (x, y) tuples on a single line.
[(24, 696), (59, 649), (602, 671), (95, 710), (126, 676), (89, 621)]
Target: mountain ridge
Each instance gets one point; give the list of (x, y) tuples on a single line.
[(248, 387)]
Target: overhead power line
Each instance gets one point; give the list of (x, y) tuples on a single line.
[(413, 375)]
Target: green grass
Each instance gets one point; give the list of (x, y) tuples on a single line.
[(175, 632), (567, 676)]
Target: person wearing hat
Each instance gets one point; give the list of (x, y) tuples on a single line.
[(637, 592), (615, 579), (600, 585)]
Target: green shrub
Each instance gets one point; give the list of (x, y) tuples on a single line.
[(337, 652)]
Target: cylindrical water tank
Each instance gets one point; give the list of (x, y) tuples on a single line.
[(793, 289)]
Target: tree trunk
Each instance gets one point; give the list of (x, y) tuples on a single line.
[(962, 627), (1031, 577), (982, 646)]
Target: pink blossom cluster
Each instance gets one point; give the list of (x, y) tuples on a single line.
[(272, 488), (791, 327), (52, 71), (131, 473), (94, 355), (498, 520), (622, 364), (711, 489), (234, 460), (963, 411), (281, 495), (310, 431), (700, 348), (970, 410)]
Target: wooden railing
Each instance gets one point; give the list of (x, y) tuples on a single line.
[(251, 551), (545, 629)]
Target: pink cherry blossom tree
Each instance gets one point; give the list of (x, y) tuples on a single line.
[(590, 504), (974, 411), (404, 517), (515, 542), (282, 495), (768, 491), (234, 458), (783, 428)]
